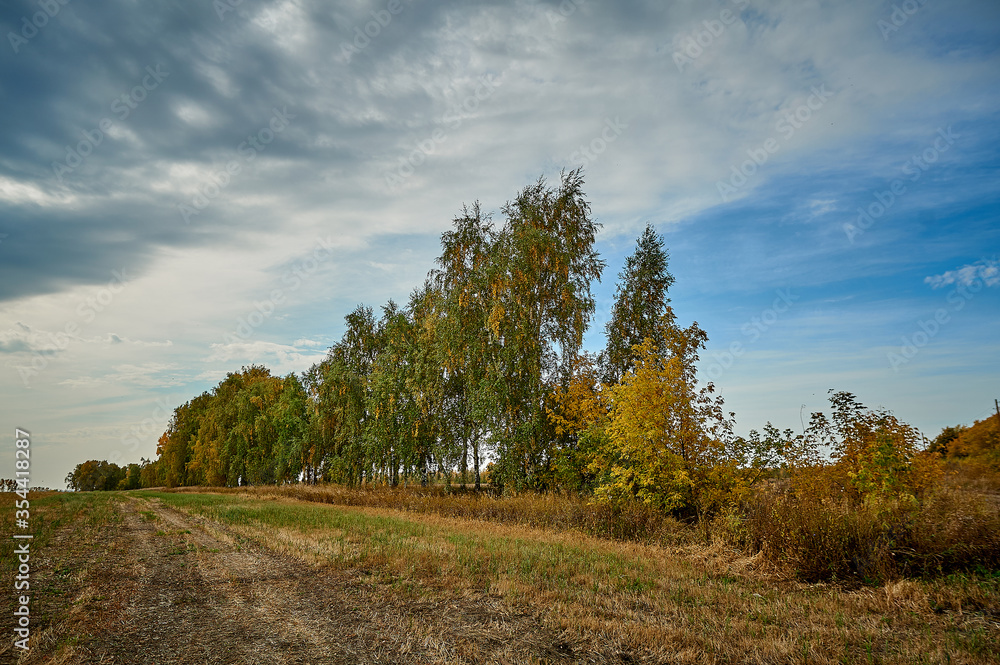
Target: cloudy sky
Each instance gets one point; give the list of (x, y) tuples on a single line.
[(189, 187)]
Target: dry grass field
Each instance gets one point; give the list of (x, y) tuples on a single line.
[(258, 577)]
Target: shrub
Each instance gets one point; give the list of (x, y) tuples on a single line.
[(871, 541)]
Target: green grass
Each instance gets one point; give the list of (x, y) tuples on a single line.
[(357, 539), (617, 597), (628, 593), (47, 514)]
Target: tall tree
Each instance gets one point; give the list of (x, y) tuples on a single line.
[(176, 446), (464, 342), (339, 388), (541, 303), (426, 379), (640, 302)]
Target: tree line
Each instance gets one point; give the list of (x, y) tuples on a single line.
[(484, 362), (469, 369)]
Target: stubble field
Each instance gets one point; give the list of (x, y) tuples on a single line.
[(197, 577)]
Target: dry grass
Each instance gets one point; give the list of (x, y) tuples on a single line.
[(975, 474), (949, 530), (546, 585), (70, 538), (647, 602), (638, 522), (952, 529)]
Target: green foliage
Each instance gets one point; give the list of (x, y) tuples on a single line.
[(484, 361), (542, 263), (469, 364), (132, 479), (640, 303), (251, 429), (95, 475), (463, 342), (578, 416)]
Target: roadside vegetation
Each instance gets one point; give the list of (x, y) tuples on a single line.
[(682, 602), (475, 400)]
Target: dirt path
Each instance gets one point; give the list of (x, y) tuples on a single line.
[(175, 588)]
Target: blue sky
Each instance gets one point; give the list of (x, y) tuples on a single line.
[(167, 171)]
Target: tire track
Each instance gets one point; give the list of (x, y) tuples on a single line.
[(195, 593)]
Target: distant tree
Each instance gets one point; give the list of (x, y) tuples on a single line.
[(640, 303), (289, 416), (982, 438), (426, 380), (175, 446), (339, 389), (95, 476), (472, 362), (391, 431), (250, 429), (132, 479), (941, 443), (149, 473)]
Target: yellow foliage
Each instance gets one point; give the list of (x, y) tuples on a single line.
[(981, 438), (659, 448), (581, 404)]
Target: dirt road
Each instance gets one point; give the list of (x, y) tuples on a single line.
[(166, 587)]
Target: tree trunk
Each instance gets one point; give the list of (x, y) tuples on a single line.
[(475, 459)]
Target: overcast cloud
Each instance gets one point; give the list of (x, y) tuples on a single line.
[(165, 169)]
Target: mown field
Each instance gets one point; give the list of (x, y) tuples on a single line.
[(378, 584)]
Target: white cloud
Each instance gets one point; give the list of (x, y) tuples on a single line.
[(114, 338), (146, 375), (324, 176), (279, 357), (987, 271)]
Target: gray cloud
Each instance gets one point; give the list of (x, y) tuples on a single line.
[(219, 79)]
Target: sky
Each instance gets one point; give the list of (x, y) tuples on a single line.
[(190, 187)]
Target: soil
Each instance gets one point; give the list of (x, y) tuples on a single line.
[(164, 587)]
